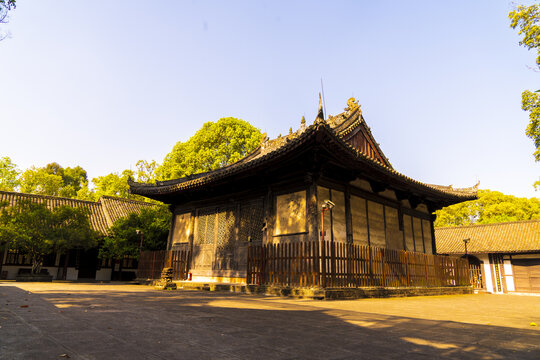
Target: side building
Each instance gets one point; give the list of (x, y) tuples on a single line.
[(507, 254), (81, 264), (275, 195)]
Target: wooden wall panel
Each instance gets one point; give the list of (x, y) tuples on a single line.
[(426, 226), (290, 213), (377, 234), (359, 220), (407, 227), (417, 228), (182, 229), (394, 237), (338, 217)]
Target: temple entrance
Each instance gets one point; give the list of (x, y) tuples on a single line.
[(204, 240), (87, 264), (475, 271)]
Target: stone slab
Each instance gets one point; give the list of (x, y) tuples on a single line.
[(119, 321)]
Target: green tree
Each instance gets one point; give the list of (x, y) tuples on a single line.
[(527, 19), (36, 230), (114, 184), (146, 171), (40, 181), (490, 207), (54, 180), (9, 175), (27, 227), (72, 230), (215, 145), (124, 237)]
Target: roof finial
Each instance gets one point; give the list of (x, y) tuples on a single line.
[(352, 105), (320, 113)]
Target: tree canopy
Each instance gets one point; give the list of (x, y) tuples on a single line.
[(526, 19), (9, 175), (113, 184), (36, 230), (53, 179), (124, 238), (215, 145), (490, 207)]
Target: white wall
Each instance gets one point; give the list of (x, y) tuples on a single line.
[(509, 275), (14, 269), (72, 273), (103, 274), (487, 271)]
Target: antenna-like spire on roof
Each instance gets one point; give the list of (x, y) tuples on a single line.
[(320, 113)]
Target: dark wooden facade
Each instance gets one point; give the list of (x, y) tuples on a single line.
[(274, 195)]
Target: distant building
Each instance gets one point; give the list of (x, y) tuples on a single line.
[(508, 253), (275, 194), (82, 264)]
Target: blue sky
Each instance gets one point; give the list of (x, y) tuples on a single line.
[(104, 85)]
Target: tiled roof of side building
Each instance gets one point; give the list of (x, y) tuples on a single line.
[(102, 213), (116, 208), (506, 237), (97, 217)]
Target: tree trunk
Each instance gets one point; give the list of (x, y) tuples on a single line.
[(120, 268), (36, 264), (66, 262)]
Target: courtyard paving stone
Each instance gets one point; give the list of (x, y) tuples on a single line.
[(120, 321)]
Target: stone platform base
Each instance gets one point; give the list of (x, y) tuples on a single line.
[(328, 293)]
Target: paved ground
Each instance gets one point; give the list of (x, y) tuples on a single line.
[(114, 321)]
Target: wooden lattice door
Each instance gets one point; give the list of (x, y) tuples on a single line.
[(204, 240), (225, 240)]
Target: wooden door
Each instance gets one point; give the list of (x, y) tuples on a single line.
[(204, 240), (527, 275)]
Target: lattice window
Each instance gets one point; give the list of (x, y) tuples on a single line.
[(226, 230), (206, 227), (251, 222)]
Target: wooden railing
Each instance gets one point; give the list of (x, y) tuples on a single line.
[(152, 262), (326, 264)]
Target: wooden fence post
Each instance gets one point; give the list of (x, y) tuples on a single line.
[(406, 257), (425, 269), (323, 264)]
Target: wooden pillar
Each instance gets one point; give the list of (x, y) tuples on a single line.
[(191, 237), (433, 242), (423, 237), (269, 214), (348, 216), (171, 228), (312, 210)]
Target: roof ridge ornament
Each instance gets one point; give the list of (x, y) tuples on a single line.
[(264, 140), (352, 106)]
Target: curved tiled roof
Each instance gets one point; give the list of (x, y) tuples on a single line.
[(102, 213), (116, 208), (507, 237), (272, 149)]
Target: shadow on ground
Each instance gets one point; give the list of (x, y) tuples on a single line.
[(112, 324)]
